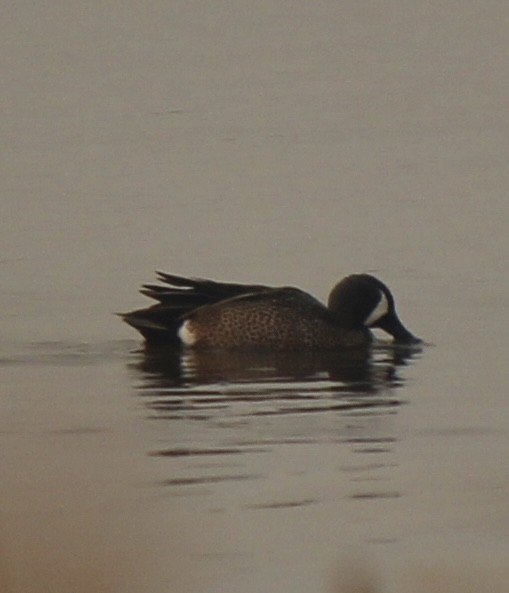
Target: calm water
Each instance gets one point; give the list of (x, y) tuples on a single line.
[(279, 143)]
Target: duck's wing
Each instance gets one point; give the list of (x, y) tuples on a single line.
[(195, 291), (284, 318), (280, 296), (177, 297)]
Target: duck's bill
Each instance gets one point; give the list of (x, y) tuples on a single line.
[(393, 326)]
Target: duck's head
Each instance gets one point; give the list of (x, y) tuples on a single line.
[(361, 300)]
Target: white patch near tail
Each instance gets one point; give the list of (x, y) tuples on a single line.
[(186, 334), (379, 311)]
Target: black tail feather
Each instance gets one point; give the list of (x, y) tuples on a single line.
[(176, 298)]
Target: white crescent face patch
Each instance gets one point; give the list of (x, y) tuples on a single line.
[(381, 309)]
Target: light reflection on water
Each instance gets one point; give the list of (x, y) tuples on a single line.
[(293, 382), (63, 353), (249, 405), (222, 445), (227, 416), (364, 371)]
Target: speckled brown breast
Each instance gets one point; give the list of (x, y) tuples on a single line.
[(286, 319)]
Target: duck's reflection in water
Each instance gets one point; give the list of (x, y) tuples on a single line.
[(242, 416), (368, 375)]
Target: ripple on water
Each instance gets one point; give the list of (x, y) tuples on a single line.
[(229, 417)]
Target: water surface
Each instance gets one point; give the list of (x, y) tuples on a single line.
[(287, 144)]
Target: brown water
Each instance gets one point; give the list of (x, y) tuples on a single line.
[(276, 142)]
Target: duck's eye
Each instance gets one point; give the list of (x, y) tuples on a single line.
[(381, 309)]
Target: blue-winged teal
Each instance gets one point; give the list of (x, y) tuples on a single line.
[(207, 314)]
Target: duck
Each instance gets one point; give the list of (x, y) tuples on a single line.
[(200, 313)]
